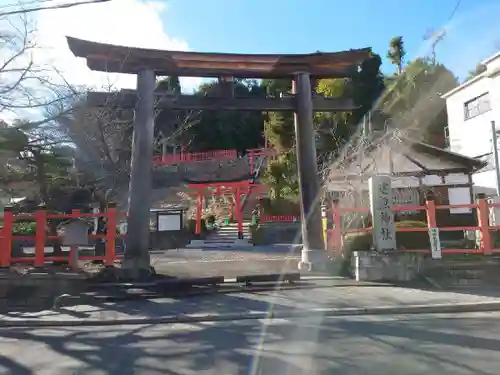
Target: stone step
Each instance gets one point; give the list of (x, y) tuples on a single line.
[(229, 233), (220, 241), (232, 233), (231, 226), (225, 238), (232, 230)]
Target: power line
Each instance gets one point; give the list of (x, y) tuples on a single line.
[(61, 6), (25, 3), (457, 5), (437, 36)]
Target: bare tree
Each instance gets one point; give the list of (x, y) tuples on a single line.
[(25, 86), (102, 138)]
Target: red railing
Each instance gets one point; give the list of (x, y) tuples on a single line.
[(335, 235), (40, 218), (195, 156), (204, 156), (279, 218)]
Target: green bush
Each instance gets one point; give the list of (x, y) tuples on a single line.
[(280, 206), (404, 240), (411, 224), (24, 229), (210, 219)]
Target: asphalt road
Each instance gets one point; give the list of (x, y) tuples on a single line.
[(400, 345), (385, 345)]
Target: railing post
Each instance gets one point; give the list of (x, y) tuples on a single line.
[(73, 250), (484, 224), (111, 234), (337, 227), (239, 216), (430, 210), (199, 209), (6, 244), (230, 209), (40, 236), (252, 157), (432, 227)]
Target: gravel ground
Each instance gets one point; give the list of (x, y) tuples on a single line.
[(229, 263)]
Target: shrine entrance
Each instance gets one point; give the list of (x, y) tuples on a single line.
[(147, 64), (235, 189)]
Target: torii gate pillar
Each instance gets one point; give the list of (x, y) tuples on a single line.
[(136, 259), (313, 251)]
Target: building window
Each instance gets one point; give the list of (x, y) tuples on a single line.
[(446, 137), (477, 106)]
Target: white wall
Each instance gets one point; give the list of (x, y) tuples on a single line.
[(472, 137)]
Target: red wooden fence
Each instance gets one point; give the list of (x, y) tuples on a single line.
[(185, 157), (279, 218), (195, 156), (40, 218), (336, 234)]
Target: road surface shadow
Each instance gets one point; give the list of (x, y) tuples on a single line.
[(239, 302), (306, 346)]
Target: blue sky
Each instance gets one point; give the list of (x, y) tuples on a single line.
[(295, 26)]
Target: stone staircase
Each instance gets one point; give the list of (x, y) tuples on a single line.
[(170, 190), (225, 237)]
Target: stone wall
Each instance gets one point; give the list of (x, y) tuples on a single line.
[(389, 266), (168, 240), (39, 289), (272, 233)]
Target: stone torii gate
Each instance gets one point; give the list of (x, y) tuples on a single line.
[(148, 63)]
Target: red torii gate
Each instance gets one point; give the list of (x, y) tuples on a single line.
[(236, 188)]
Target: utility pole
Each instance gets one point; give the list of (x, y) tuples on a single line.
[(495, 155), (435, 37)]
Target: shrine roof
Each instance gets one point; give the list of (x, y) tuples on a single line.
[(403, 156), (121, 59)]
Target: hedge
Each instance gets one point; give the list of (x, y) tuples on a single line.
[(404, 240), (27, 228)]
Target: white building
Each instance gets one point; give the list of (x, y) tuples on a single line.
[(471, 108)]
